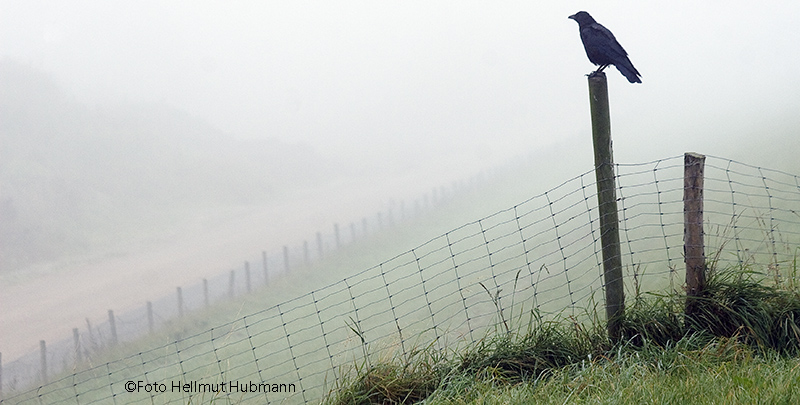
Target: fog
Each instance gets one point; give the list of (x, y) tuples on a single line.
[(128, 128)]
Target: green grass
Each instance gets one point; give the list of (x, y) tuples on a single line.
[(741, 347), (722, 371)]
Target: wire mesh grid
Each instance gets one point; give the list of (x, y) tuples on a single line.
[(541, 256)]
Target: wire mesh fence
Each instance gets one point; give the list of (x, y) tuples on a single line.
[(541, 256)]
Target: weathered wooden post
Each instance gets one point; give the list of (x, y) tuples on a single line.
[(693, 249), (607, 204)]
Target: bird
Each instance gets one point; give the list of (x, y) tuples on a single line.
[(602, 48)]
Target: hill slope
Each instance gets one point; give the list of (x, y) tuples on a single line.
[(76, 179)]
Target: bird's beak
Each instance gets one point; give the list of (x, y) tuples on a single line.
[(572, 17)]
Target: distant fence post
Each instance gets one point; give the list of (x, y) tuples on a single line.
[(76, 337), (286, 258), (320, 246), (607, 204), (266, 270), (232, 284), (247, 276), (150, 319), (180, 302), (91, 335), (206, 300), (113, 324), (693, 249), (43, 361)]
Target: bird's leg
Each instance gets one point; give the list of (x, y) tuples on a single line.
[(599, 70)]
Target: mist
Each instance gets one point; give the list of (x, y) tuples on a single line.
[(135, 136)]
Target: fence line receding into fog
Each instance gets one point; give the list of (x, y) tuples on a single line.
[(540, 256)]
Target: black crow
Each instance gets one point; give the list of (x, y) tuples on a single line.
[(602, 48)]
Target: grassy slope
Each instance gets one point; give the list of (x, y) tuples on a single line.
[(754, 360), (723, 372), (728, 370)]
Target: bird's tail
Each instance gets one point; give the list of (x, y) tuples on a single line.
[(626, 68)]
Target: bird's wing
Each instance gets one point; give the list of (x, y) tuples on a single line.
[(603, 45)]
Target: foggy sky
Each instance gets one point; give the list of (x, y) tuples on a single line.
[(396, 81)]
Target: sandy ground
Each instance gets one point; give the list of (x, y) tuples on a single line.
[(48, 306)]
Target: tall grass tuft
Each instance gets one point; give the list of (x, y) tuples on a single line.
[(739, 304), (399, 380), (547, 345)]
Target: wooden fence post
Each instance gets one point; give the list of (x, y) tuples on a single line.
[(150, 319), (206, 299), (693, 249), (232, 284), (320, 246), (180, 302), (607, 204), (266, 271), (43, 361), (76, 336), (286, 258), (91, 335), (247, 276), (113, 324)]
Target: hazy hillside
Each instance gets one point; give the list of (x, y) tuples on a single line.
[(75, 178)]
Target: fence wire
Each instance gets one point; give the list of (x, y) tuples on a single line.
[(541, 256)]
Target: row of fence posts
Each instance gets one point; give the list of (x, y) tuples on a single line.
[(614, 288), (438, 195), (609, 228), (693, 244)]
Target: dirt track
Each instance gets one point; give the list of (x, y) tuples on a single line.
[(47, 307)]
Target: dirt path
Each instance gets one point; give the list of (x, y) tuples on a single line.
[(49, 306)]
